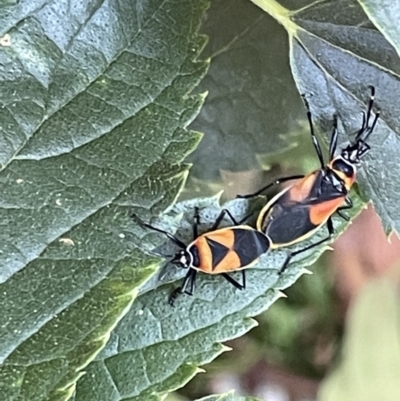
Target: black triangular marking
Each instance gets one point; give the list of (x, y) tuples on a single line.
[(218, 251), (250, 245)]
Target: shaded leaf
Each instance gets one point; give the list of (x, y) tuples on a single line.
[(252, 104), (336, 52), (93, 108)]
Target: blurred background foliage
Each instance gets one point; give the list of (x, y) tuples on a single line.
[(254, 130)]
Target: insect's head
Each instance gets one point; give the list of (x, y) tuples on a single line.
[(183, 259)]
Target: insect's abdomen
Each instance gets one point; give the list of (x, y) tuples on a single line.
[(228, 249), (286, 225), (291, 223)]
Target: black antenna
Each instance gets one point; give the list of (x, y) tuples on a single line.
[(316, 144), (366, 129), (334, 138), (171, 237)]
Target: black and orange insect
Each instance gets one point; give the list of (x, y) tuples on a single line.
[(218, 251), (302, 208)]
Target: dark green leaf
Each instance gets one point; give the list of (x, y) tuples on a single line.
[(252, 104), (336, 53), (94, 104)]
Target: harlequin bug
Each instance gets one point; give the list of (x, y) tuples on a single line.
[(299, 210), (218, 251)]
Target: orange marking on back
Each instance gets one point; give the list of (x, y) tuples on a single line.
[(224, 236), (229, 263), (205, 254), (320, 212), (300, 191)]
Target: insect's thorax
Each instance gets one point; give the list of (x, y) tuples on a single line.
[(343, 170), (185, 258)]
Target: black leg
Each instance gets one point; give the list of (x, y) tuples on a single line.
[(196, 222), (367, 115), (276, 182), (370, 105), (366, 147), (314, 139), (174, 239), (348, 205), (291, 254), (192, 284), (342, 215), (189, 280), (366, 129), (334, 138), (174, 295), (221, 217), (160, 255), (235, 283)]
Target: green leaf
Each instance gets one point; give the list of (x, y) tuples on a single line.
[(227, 397), (336, 53), (94, 104), (385, 15), (370, 366), (155, 348)]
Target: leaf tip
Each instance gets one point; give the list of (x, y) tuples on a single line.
[(218, 195), (225, 348), (391, 234), (203, 95)]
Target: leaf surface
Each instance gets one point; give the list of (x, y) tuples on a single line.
[(94, 104)]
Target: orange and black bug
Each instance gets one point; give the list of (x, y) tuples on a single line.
[(295, 213), (218, 251)]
